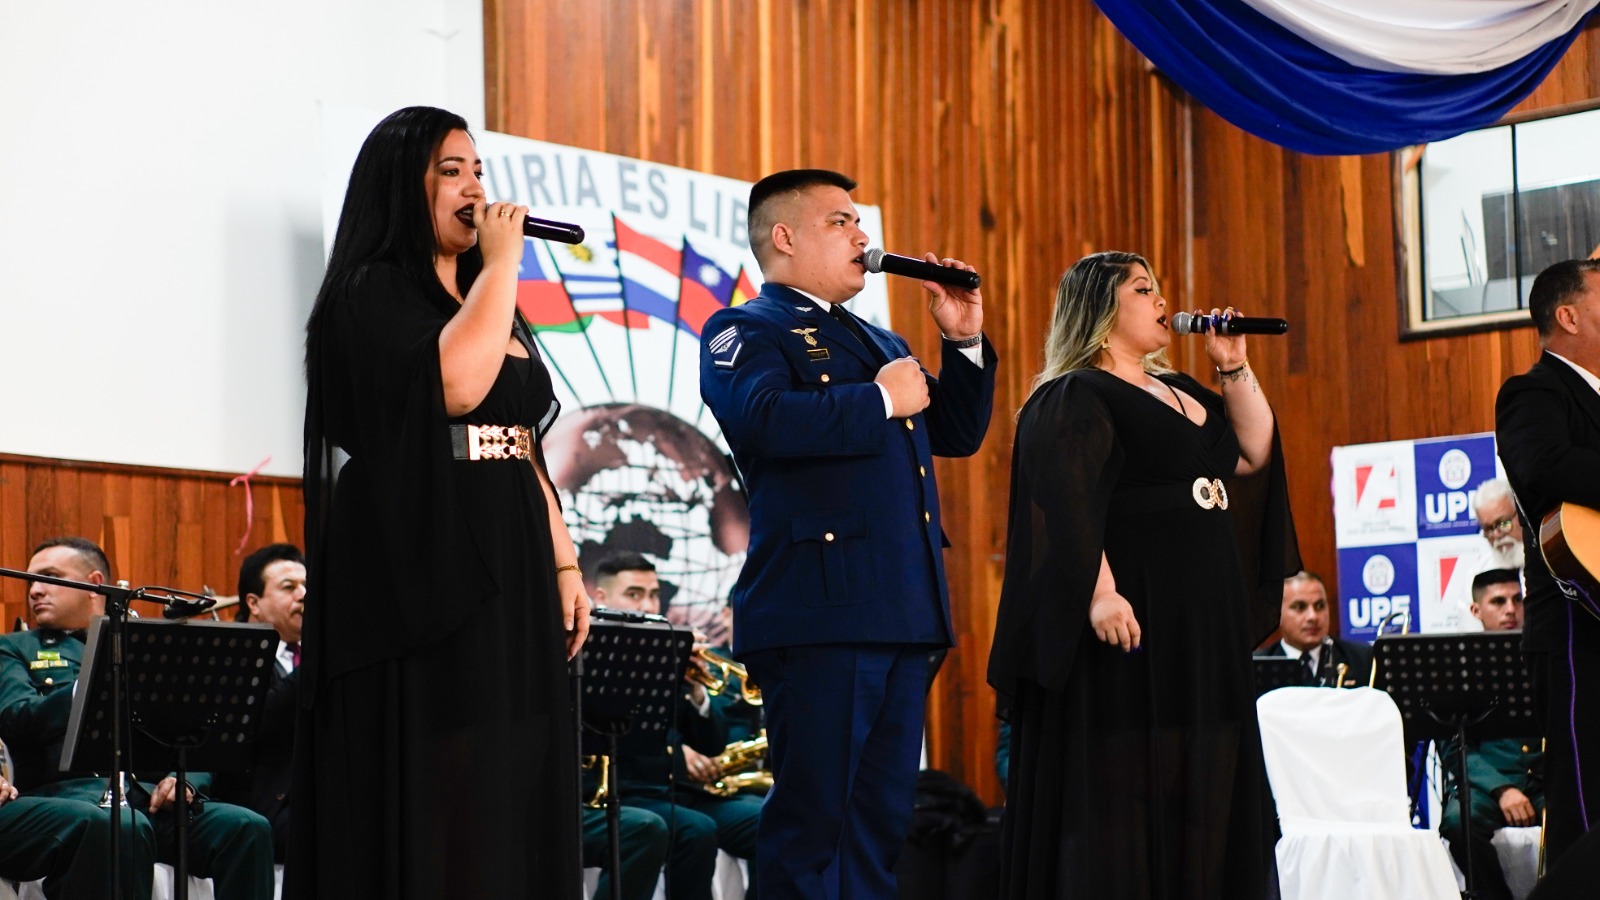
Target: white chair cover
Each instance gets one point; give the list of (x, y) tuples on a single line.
[(1335, 759)]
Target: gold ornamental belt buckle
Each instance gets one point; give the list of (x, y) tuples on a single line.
[(1209, 493), (499, 442)]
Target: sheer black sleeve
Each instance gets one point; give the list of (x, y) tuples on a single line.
[(1064, 465), (381, 499)]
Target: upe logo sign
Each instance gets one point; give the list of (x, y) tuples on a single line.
[(1455, 469), (1448, 473), (1377, 582)]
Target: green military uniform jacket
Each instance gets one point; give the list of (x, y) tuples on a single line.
[(1500, 763)]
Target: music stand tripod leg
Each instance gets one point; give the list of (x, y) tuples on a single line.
[(614, 818)]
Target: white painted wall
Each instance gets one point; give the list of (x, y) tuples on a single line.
[(160, 210)]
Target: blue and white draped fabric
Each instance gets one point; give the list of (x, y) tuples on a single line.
[(1353, 76)]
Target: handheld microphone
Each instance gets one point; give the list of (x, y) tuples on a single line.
[(879, 261), (550, 230), (1186, 323)]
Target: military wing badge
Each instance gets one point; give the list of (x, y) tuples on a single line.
[(806, 333), (725, 346)]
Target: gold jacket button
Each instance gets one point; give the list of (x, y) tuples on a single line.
[(49, 681), (828, 536), (825, 378), (923, 471), (910, 425), (927, 517), (1524, 748)]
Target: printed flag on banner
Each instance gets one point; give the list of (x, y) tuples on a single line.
[(590, 274), (743, 289), (650, 273), (705, 289), (541, 298)]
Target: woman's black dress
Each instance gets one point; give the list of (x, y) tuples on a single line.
[(436, 755), (1134, 775)]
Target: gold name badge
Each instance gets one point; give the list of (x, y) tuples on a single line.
[(817, 354)]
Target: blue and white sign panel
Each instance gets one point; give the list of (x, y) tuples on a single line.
[(1407, 539)]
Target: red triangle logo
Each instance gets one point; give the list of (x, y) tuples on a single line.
[(1447, 567)]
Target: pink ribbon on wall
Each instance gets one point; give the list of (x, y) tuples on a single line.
[(249, 504)]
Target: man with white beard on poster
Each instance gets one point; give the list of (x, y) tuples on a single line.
[(1496, 509)]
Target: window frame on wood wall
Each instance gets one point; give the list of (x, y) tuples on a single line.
[(1410, 213)]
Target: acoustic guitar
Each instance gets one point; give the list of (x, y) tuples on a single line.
[(1570, 539)]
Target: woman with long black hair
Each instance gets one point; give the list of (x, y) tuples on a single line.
[(435, 752)]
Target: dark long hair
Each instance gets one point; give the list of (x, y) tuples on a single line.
[(386, 217)]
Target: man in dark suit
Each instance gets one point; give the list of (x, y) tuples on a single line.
[(1547, 426), (38, 668), (834, 427), (1506, 774), (1304, 622), (272, 591)]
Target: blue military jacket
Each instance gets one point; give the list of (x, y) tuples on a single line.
[(845, 536)]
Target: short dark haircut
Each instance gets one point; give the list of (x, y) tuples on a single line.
[(764, 197), (253, 567), (1557, 285), (622, 561), (89, 550), (1482, 581)]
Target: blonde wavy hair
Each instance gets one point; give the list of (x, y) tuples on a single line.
[(1085, 314)]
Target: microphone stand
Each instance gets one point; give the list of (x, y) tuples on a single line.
[(118, 596)]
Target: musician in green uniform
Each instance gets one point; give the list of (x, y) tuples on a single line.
[(228, 844), (1506, 774)]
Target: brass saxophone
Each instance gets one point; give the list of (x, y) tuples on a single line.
[(739, 767), (729, 668)]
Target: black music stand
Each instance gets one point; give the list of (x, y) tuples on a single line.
[(1447, 683), (629, 675), (193, 694), (1273, 672)]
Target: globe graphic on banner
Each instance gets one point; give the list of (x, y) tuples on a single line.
[(635, 478)]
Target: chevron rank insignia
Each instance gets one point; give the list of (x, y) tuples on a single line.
[(725, 347)]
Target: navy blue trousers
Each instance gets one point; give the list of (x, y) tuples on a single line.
[(844, 725)]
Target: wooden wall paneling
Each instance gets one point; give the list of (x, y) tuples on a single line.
[(171, 527)]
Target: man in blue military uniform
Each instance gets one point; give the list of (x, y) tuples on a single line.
[(834, 426), (230, 845)]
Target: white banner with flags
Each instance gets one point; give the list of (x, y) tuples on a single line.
[(639, 460)]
